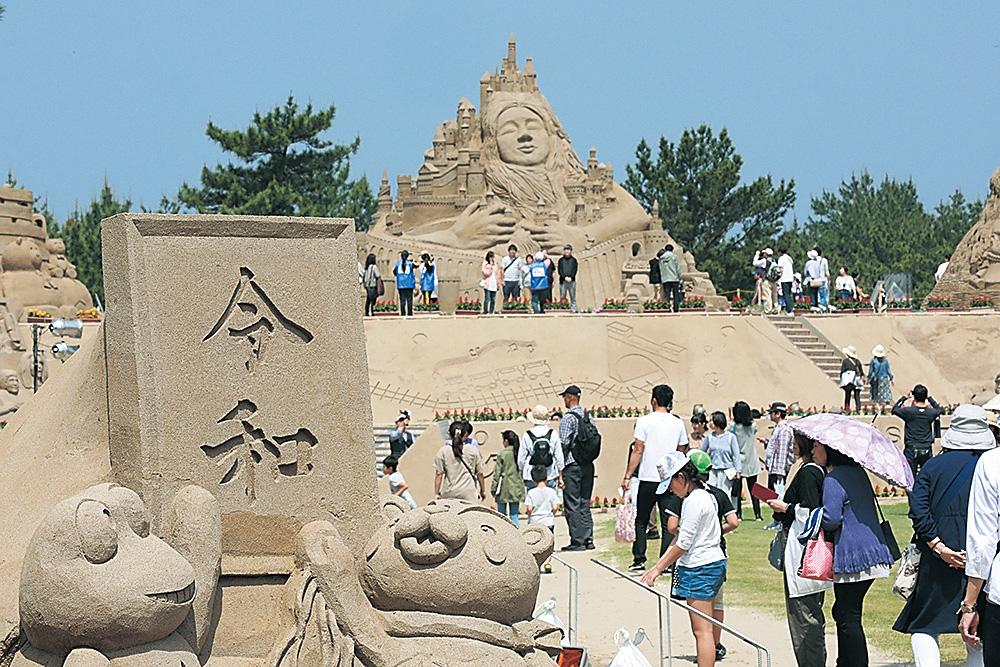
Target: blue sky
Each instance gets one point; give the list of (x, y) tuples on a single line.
[(814, 91)]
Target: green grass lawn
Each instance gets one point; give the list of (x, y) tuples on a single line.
[(752, 582)]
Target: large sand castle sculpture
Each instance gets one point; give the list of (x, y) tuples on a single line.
[(974, 268), (35, 271), (201, 488), (509, 174)]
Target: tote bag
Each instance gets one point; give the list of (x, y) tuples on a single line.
[(625, 522), (817, 560), (797, 586)]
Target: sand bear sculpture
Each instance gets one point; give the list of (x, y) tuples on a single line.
[(447, 585), (98, 588)]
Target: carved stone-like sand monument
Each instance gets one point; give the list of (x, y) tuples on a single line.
[(974, 268), (509, 174), (223, 506)]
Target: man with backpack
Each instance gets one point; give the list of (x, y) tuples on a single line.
[(768, 272), (581, 443), (540, 447)]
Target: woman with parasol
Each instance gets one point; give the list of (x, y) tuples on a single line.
[(861, 552)]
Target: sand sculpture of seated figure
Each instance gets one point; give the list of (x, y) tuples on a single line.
[(10, 392), (448, 585), (98, 589), (531, 170)]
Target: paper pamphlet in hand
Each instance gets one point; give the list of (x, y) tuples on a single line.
[(763, 493)]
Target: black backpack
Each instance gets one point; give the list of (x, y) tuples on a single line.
[(654, 271), (772, 272), (587, 446), (541, 449)]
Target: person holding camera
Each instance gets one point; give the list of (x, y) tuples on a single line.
[(918, 425)]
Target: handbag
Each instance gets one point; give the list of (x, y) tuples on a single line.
[(625, 521), (906, 577), (817, 559), (816, 282), (847, 378), (379, 287), (890, 539), (776, 552)]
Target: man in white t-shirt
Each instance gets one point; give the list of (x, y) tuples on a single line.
[(786, 279), (513, 270), (656, 435)]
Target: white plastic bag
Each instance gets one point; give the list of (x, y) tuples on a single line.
[(629, 654), (547, 612)]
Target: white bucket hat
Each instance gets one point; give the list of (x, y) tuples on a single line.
[(540, 414), (969, 429), (812, 254), (878, 351), (850, 351)]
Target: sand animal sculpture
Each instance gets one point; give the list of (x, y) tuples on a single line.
[(98, 588), (447, 585)]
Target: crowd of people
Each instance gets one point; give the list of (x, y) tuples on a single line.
[(779, 287), (694, 475)]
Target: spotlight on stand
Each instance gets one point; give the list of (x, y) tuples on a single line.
[(68, 328), (63, 350)]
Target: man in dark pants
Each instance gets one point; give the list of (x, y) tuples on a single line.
[(578, 478), (918, 429), (656, 435), (670, 274), (787, 276)]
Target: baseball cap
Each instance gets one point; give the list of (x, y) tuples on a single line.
[(778, 406), (572, 390), (701, 460)]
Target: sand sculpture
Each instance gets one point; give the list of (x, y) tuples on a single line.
[(98, 588), (509, 174), (35, 271), (974, 268), (449, 584)]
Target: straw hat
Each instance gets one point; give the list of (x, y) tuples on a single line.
[(850, 351), (540, 414), (969, 429), (878, 351)]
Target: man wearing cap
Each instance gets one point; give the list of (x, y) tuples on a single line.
[(567, 276), (656, 435), (918, 426), (400, 439), (979, 611), (778, 453), (670, 276), (540, 447), (578, 478), (762, 262)]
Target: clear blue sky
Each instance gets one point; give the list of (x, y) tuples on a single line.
[(815, 91)]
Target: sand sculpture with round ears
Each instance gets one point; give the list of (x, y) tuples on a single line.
[(450, 584), (974, 268), (510, 175), (98, 588)]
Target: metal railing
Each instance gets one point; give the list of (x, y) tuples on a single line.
[(763, 655), (573, 605)]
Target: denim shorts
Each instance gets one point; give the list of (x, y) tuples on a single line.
[(699, 583)]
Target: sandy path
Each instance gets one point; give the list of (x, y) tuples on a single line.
[(607, 603)]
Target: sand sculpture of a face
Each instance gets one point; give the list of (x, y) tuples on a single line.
[(456, 558), (95, 578)]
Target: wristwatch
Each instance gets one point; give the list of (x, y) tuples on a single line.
[(966, 609)]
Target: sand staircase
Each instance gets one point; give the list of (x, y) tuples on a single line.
[(380, 434), (811, 343)]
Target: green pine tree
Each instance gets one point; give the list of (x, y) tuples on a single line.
[(282, 167), (82, 234), (703, 206)]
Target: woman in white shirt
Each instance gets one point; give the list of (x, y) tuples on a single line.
[(490, 283), (845, 286), (701, 563)]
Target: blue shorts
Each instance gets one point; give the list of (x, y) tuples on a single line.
[(699, 583)]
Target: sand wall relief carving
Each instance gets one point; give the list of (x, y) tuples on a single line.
[(255, 394)]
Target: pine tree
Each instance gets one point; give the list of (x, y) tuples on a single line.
[(703, 206), (82, 235), (282, 167)]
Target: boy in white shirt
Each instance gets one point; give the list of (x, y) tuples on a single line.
[(397, 483), (541, 503)]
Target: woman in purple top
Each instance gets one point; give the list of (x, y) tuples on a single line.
[(860, 554)]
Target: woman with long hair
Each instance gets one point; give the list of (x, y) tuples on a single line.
[(697, 551), (370, 279), (860, 552), (490, 283), (803, 597), (507, 488), (745, 430), (458, 468)]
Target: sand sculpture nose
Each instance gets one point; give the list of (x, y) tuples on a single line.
[(428, 539)]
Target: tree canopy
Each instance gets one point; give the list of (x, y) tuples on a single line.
[(283, 166), (82, 235), (696, 184)]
